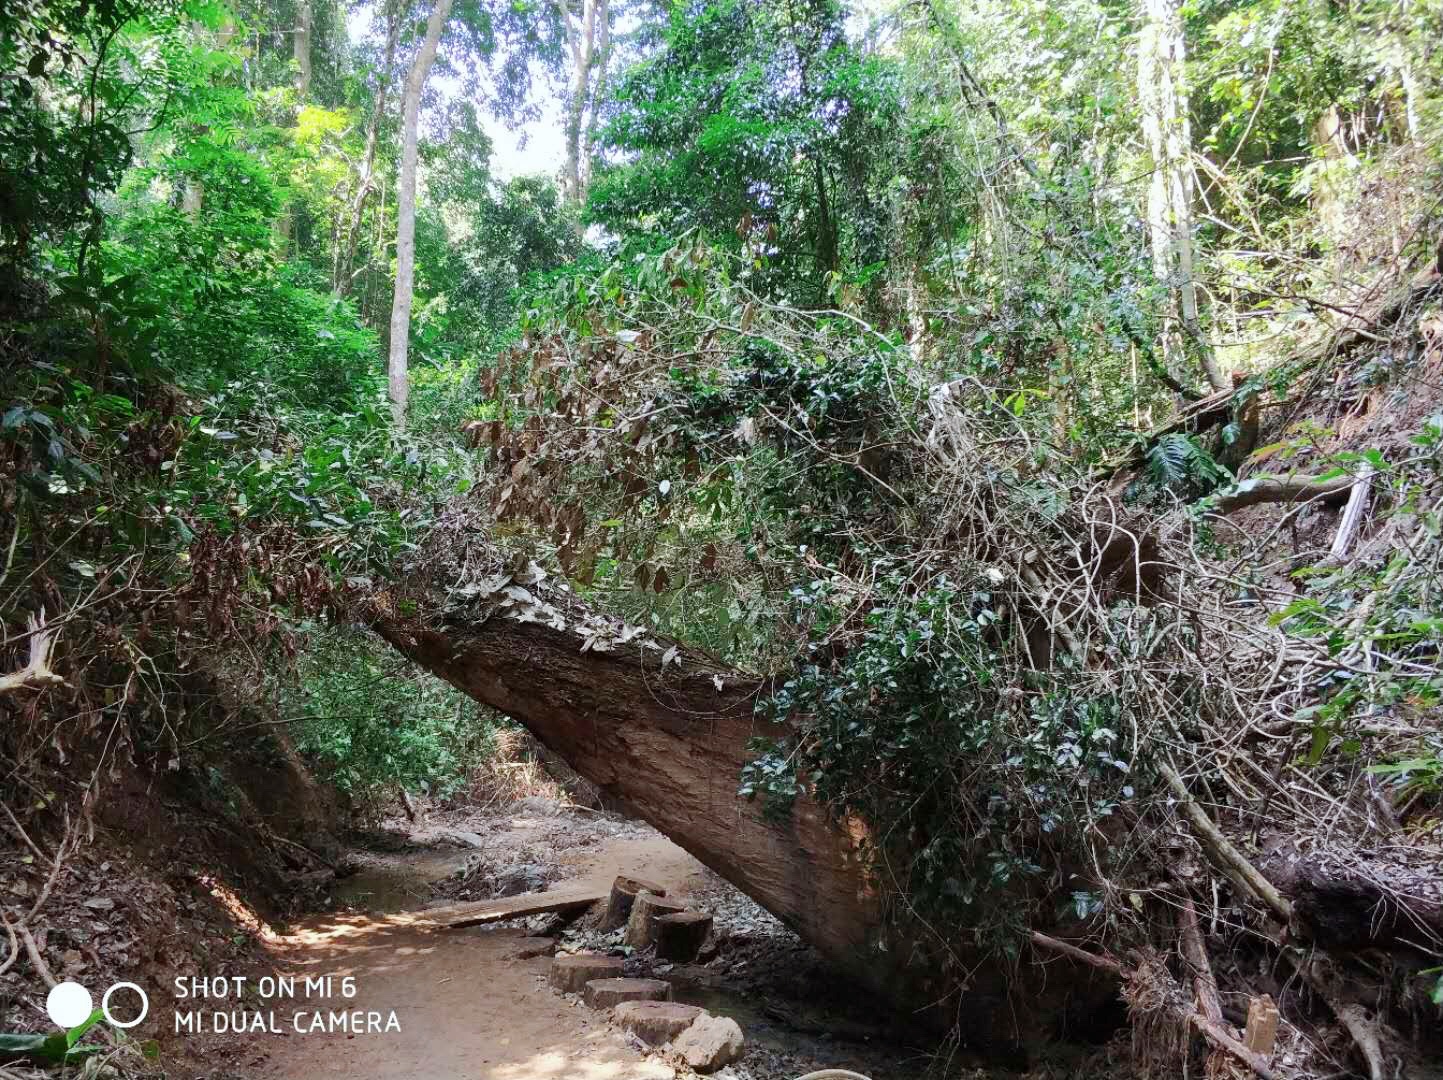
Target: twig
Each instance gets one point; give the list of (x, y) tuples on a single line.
[(33, 952), (57, 864), (1104, 963), (1230, 859), (14, 943)]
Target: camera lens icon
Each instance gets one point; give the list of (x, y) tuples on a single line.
[(69, 1005)]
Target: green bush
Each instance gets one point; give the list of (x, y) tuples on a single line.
[(369, 722)]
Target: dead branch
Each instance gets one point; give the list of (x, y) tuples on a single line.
[(56, 865), (1275, 489), (37, 672), (1103, 963), (1229, 859), (1203, 981), (1353, 513), (1365, 1034)]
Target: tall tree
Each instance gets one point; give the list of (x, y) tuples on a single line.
[(345, 257), (588, 37), (301, 43), (406, 212), (1162, 94)]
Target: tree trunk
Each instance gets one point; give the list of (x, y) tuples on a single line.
[(406, 213), (343, 270), (192, 198), (601, 59), (669, 742), (581, 38), (671, 748), (1162, 94), (301, 44)]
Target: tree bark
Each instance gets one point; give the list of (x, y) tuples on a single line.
[(669, 746), (396, 372), (1162, 94)]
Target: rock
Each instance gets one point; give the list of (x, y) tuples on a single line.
[(518, 880), (604, 993), (679, 936), (624, 891), (655, 1022), (533, 949), (640, 931), (710, 1042), (571, 973)]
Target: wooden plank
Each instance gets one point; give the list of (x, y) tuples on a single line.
[(478, 913)]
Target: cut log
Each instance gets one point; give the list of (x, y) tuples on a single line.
[(607, 993), (655, 1022), (623, 895), (679, 936), (571, 973), (640, 927), (480, 912)]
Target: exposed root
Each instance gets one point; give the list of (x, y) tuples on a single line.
[(1365, 1033), (1161, 1015)]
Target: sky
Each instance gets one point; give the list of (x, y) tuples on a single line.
[(544, 147)]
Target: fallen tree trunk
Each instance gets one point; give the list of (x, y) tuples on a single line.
[(671, 746), (665, 730)]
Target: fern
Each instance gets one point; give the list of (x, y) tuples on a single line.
[(1180, 463)]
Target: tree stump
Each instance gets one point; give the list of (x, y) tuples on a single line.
[(640, 931), (655, 1022), (570, 974), (679, 936), (623, 896), (605, 993)]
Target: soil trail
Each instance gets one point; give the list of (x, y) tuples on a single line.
[(467, 1008)]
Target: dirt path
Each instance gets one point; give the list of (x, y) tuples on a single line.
[(467, 1008)]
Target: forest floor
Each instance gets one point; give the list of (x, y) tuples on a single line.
[(475, 1003)]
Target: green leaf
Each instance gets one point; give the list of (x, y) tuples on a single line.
[(75, 1034)]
